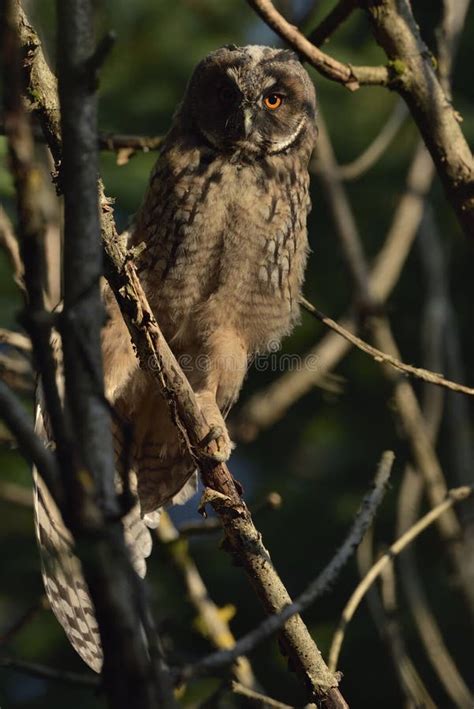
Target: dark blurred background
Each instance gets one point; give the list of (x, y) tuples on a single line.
[(322, 455)]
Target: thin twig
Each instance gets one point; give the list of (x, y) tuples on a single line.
[(384, 358), (112, 142), (331, 22), (16, 494), (372, 154), (19, 423), (348, 75), (136, 143), (454, 496), (23, 620), (9, 243), (49, 673), (16, 372), (383, 612), (256, 698), (409, 502), (317, 587), (408, 408)]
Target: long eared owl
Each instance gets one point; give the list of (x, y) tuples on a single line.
[(222, 249)]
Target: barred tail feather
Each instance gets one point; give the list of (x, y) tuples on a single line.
[(63, 579), (61, 569)]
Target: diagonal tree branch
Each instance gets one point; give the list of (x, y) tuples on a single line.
[(317, 587), (383, 357), (331, 22)]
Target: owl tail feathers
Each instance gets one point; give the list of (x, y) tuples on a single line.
[(63, 578)]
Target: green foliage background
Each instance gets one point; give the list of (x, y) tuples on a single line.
[(322, 456)]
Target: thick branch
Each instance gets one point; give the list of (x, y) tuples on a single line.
[(130, 676), (396, 31)]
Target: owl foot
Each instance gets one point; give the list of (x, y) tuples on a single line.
[(224, 445)]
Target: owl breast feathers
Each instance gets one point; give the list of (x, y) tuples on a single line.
[(223, 246)]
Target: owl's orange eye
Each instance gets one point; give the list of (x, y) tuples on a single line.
[(273, 101)]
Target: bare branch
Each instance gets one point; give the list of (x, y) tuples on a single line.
[(258, 699), (350, 76), (114, 142), (410, 498), (16, 494), (9, 243), (21, 426), (317, 587), (426, 460), (372, 154), (331, 22), (135, 143), (382, 357), (16, 372), (23, 620), (397, 32), (49, 673), (133, 673), (31, 229), (407, 404), (454, 496), (384, 614)]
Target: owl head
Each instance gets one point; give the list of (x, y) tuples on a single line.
[(255, 100)]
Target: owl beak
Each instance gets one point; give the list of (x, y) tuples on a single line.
[(248, 120)]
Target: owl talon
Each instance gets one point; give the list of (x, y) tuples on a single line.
[(223, 443)]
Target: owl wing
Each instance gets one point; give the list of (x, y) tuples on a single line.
[(61, 569)]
